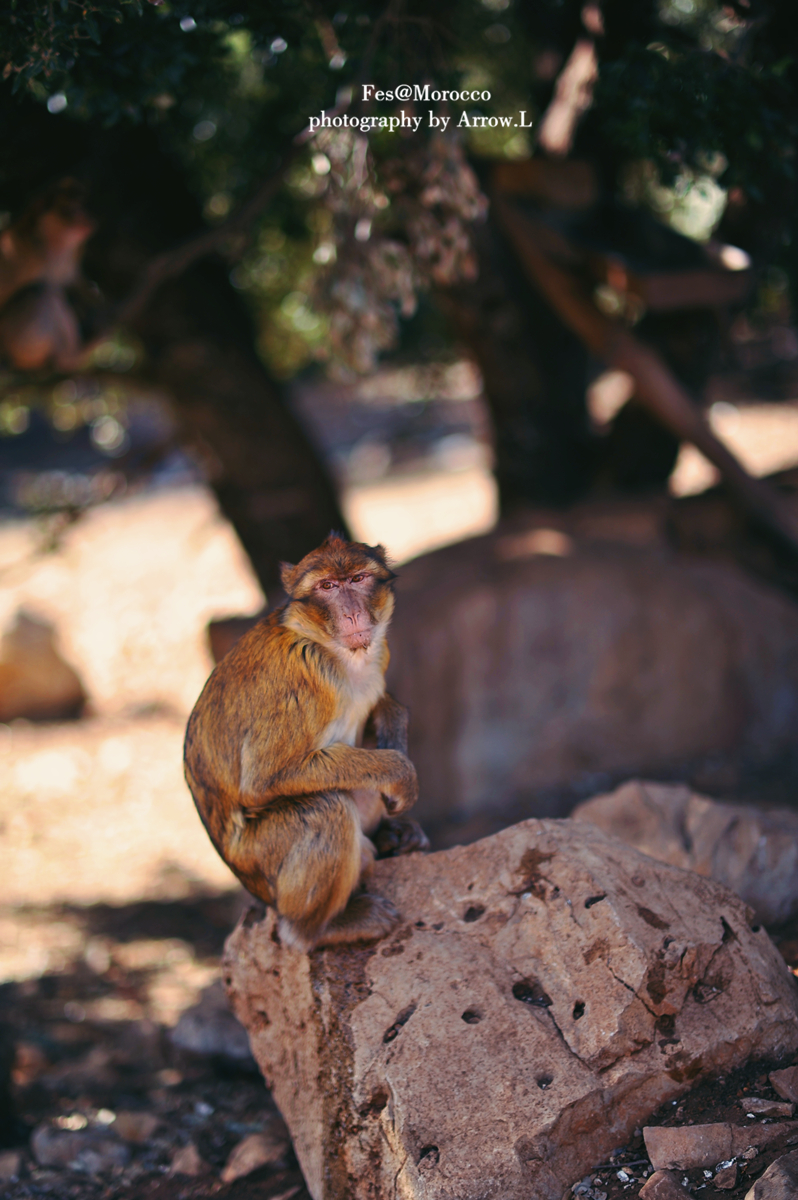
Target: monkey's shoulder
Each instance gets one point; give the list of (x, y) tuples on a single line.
[(272, 660)]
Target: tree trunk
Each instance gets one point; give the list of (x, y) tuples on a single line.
[(535, 373), (269, 480)]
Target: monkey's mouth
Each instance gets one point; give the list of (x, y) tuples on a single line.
[(358, 639)]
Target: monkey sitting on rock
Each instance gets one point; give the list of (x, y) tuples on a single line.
[(273, 756)]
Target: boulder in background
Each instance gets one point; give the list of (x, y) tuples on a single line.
[(753, 852)]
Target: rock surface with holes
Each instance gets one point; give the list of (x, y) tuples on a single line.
[(548, 988)]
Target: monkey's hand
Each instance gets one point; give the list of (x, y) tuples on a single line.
[(343, 768), (401, 791)]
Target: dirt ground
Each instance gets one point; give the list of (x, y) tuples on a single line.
[(113, 905)]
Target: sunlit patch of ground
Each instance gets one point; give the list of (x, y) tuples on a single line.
[(129, 589), (763, 437), (414, 514), (98, 810)]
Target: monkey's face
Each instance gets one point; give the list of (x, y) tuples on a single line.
[(347, 606), (344, 591)]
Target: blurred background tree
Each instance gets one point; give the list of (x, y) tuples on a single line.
[(225, 251)]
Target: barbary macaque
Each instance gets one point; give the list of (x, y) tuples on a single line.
[(40, 256), (273, 757)]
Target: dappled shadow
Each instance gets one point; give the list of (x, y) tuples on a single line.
[(203, 921), (88, 1038)]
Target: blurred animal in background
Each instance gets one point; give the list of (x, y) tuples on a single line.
[(40, 255), (273, 751)]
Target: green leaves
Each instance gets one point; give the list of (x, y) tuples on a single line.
[(677, 110)]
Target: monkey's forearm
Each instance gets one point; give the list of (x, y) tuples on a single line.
[(345, 768), (389, 719)]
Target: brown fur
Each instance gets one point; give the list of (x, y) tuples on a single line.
[(272, 756)]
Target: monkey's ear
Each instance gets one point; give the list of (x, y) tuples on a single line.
[(382, 554), (288, 576)]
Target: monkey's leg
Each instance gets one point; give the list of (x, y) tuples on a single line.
[(320, 869), (399, 835)]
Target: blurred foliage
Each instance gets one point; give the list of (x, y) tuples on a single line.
[(683, 108), (691, 93)]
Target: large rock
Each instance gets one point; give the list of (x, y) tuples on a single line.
[(779, 1182), (755, 853), (534, 661), (35, 682), (548, 988), (687, 1146)]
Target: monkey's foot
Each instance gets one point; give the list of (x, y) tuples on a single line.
[(399, 835), (364, 919)]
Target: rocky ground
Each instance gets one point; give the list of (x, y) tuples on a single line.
[(113, 1106), (722, 1100)]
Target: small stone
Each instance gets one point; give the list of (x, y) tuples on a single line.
[(210, 1030), (91, 1150), (766, 1108), (779, 1182), (726, 1177), (749, 1154), (256, 1150), (785, 1083), (136, 1127), (10, 1163), (188, 1161), (30, 1062), (169, 1077), (687, 1146), (37, 683), (663, 1185)]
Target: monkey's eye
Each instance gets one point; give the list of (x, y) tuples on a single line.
[(357, 578), (327, 584)]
